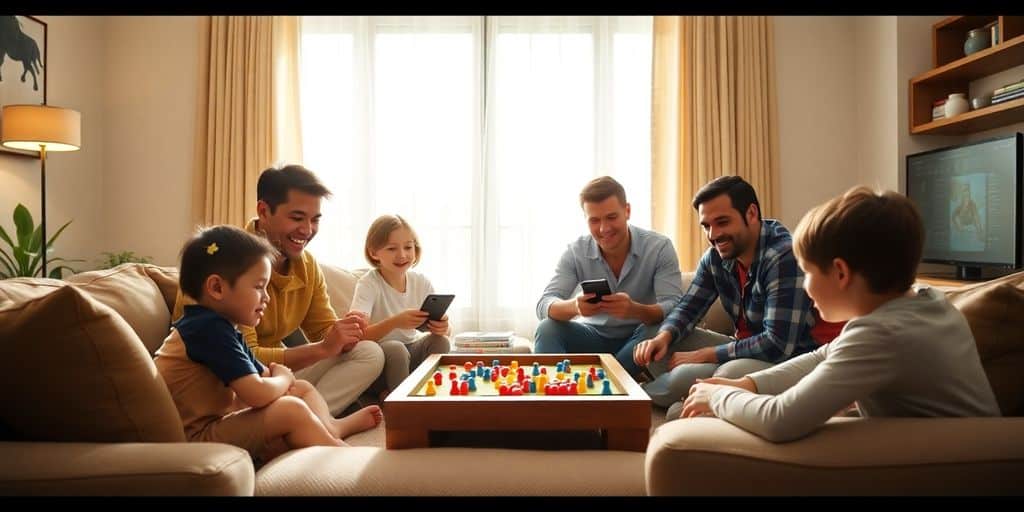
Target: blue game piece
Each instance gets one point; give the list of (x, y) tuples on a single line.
[(464, 376), (472, 373), (536, 369), (576, 376), (558, 366), (600, 374), (472, 385), (495, 362), (533, 387), (590, 381), (566, 367), (487, 374), (606, 389)]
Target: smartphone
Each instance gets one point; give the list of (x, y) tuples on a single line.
[(435, 305), (598, 286)]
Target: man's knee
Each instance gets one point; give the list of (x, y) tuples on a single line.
[(549, 334), (437, 344), (368, 352)]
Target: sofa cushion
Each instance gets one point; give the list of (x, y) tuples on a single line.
[(76, 370), (166, 278), (130, 291), (341, 285), (995, 312)]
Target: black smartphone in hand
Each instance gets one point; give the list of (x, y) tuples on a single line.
[(435, 305), (597, 286)]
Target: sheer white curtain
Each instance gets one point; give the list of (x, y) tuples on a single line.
[(480, 132)]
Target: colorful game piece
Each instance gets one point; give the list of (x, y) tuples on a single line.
[(606, 388), (464, 388), (533, 387), (468, 366), (503, 390), (590, 380), (600, 374), (430, 388), (437, 378), (581, 386), (495, 363), (520, 374), (487, 374), (575, 376), (504, 371), (494, 375), (451, 375), (544, 370), (472, 385), (559, 375), (455, 388), (536, 369), (514, 365), (558, 367)]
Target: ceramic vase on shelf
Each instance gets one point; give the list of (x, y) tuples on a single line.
[(956, 104)]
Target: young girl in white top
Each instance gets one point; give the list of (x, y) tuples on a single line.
[(391, 295)]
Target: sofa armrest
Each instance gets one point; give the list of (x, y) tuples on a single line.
[(36, 468), (846, 456)]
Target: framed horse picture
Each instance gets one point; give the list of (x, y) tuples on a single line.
[(23, 64)]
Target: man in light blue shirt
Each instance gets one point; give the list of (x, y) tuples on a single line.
[(642, 271)]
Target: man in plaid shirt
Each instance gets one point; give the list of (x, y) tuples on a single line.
[(752, 269)]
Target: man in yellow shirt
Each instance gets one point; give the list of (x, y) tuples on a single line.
[(338, 361)]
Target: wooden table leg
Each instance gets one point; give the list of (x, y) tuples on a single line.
[(397, 439), (628, 439)]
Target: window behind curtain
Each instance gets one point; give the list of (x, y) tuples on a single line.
[(484, 156)]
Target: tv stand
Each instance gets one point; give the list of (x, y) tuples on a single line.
[(968, 273)]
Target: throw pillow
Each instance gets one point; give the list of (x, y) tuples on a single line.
[(78, 372), (995, 312)]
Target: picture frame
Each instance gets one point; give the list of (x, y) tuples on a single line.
[(23, 42)]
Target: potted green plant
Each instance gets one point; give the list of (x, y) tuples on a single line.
[(25, 257), (113, 259)]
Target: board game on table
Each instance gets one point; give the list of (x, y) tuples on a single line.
[(526, 393)]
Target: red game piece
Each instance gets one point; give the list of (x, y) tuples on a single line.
[(504, 371), (464, 388), (468, 366), (516, 390), (452, 376), (455, 388), (437, 378), (544, 371), (503, 390)]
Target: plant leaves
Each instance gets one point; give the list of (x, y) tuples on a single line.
[(5, 238), (56, 272), (49, 244), (23, 224)]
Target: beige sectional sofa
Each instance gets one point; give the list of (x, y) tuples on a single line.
[(85, 412)]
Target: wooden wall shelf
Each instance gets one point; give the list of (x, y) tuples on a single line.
[(955, 72)]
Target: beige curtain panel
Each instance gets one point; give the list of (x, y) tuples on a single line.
[(247, 112), (713, 115)]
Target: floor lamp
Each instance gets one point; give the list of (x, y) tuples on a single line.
[(41, 128)]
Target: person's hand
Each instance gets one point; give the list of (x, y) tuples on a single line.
[(438, 327), (344, 332), (651, 350), (698, 402), (280, 370), (360, 318), (585, 308), (702, 355), (617, 305), (411, 318)]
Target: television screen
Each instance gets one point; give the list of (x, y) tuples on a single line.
[(969, 198)]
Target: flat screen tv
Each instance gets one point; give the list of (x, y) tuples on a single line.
[(970, 199)]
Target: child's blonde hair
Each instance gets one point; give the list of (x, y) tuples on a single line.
[(380, 230), (880, 235)]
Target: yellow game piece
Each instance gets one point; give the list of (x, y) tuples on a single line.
[(542, 380), (581, 386), (560, 376), (510, 378), (430, 388), (514, 365)]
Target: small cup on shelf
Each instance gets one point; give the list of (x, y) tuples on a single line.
[(981, 101)]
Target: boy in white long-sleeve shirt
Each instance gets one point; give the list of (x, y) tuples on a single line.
[(903, 352)]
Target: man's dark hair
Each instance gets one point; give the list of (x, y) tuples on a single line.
[(223, 250), (599, 189), (274, 184), (741, 194)]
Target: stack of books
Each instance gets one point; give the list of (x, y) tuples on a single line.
[(482, 342), (1008, 92), (939, 109)]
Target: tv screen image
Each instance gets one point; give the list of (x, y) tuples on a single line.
[(970, 201)]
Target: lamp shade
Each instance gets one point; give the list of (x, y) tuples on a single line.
[(27, 127)]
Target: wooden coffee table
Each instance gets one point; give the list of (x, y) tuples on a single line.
[(623, 418)]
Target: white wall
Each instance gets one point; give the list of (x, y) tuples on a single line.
[(150, 96), (76, 70), (877, 92), (817, 105)]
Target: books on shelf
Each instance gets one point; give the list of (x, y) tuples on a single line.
[(483, 341), (1007, 96), (1010, 87)]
